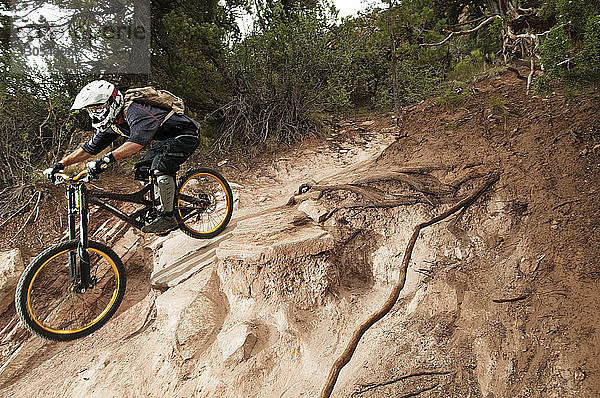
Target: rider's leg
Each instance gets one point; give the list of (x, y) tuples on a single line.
[(165, 164), (166, 221)]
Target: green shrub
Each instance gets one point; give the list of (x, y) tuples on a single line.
[(469, 66), (452, 97), (570, 52), (591, 44), (497, 105)]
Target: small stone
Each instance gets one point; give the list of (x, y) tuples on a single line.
[(526, 266), (579, 375), (313, 209), (236, 344), (458, 253)]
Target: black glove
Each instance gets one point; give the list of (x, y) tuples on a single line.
[(98, 166), (50, 172)]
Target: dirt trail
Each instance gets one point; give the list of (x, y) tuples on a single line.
[(501, 301), (261, 191)]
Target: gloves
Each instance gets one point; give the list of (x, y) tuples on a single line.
[(98, 166), (50, 172)]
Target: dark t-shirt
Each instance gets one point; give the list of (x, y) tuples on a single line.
[(143, 125)]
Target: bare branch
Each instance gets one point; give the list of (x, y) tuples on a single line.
[(33, 211), (463, 32), (16, 213), (530, 77)]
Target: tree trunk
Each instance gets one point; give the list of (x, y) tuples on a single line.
[(500, 7), (395, 87), (139, 56)]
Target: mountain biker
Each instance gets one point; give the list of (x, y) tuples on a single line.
[(176, 136)]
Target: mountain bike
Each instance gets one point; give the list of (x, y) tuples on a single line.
[(74, 287)]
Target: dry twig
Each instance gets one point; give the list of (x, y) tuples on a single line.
[(33, 211), (16, 213)]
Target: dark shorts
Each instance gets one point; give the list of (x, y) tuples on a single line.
[(168, 155)]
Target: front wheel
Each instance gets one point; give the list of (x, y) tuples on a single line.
[(203, 204), (51, 305)]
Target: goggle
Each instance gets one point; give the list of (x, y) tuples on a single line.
[(97, 111)]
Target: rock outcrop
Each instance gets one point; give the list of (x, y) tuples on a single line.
[(11, 268)]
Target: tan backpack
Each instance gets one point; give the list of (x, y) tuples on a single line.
[(159, 98)]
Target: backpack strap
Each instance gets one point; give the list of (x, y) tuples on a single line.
[(117, 130), (128, 104), (168, 116)]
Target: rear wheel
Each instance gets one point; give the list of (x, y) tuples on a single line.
[(51, 305), (203, 204)]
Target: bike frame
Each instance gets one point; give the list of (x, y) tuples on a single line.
[(78, 199)]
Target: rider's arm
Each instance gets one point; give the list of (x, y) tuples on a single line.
[(99, 141), (79, 155), (127, 149)]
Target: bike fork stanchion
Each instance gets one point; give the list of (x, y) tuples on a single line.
[(84, 257), (71, 212)]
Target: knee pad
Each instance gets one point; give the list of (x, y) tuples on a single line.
[(166, 191)]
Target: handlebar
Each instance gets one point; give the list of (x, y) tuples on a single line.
[(83, 176)]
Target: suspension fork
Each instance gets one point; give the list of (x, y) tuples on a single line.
[(82, 249), (77, 204), (71, 214)]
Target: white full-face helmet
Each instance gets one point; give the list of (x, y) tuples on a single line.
[(102, 101)]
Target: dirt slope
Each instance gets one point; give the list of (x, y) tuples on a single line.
[(501, 301)]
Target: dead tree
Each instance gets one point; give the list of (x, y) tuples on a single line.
[(521, 34)]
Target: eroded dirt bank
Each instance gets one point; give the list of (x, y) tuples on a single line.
[(500, 301)]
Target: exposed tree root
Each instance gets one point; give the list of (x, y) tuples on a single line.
[(421, 187), (512, 299), (422, 390), (358, 333), (368, 387)]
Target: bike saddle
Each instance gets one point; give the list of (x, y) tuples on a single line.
[(142, 170)]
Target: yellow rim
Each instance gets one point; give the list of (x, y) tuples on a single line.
[(226, 195), (95, 320)]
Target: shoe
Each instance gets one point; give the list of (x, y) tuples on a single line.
[(163, 223)]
